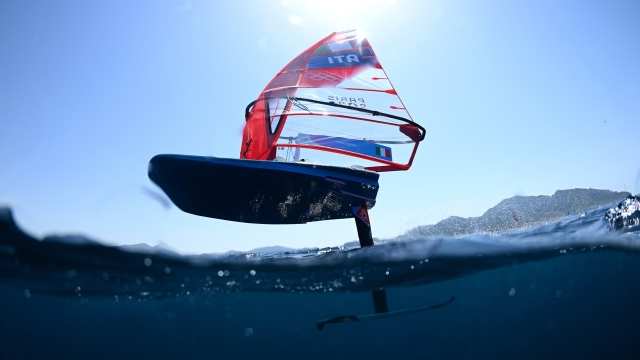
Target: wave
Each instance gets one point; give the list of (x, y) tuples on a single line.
[(78, 267)]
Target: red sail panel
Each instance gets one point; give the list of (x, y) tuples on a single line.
[(257, 141)]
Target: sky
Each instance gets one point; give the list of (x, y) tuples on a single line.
[(518, 98)]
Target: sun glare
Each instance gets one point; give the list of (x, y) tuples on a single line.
[(337, 14)]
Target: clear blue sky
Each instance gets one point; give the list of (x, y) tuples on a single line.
[(518, 98)]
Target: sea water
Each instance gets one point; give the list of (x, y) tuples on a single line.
[(565, 289)]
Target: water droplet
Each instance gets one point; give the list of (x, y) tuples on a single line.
[(220, 273), (558, 293), (167, 270), (252, 272), (27, 293), (105, 276), (147, 262), (512, 292), (248, 331)]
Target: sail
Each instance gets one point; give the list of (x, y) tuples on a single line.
[(333, 102)]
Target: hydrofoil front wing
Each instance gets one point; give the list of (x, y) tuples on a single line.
[(356, 318)]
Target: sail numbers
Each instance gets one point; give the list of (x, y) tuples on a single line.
[(353, 102)]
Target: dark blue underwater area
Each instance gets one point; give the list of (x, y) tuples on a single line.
[(565, 289)]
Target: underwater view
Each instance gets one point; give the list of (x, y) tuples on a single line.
[(562, 289)]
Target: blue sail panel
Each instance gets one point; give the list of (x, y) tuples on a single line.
[(353, 145)]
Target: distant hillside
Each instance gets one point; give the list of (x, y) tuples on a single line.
[(529, 210)]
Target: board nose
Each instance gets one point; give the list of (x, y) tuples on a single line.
[(160, 170), (154, 169)]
